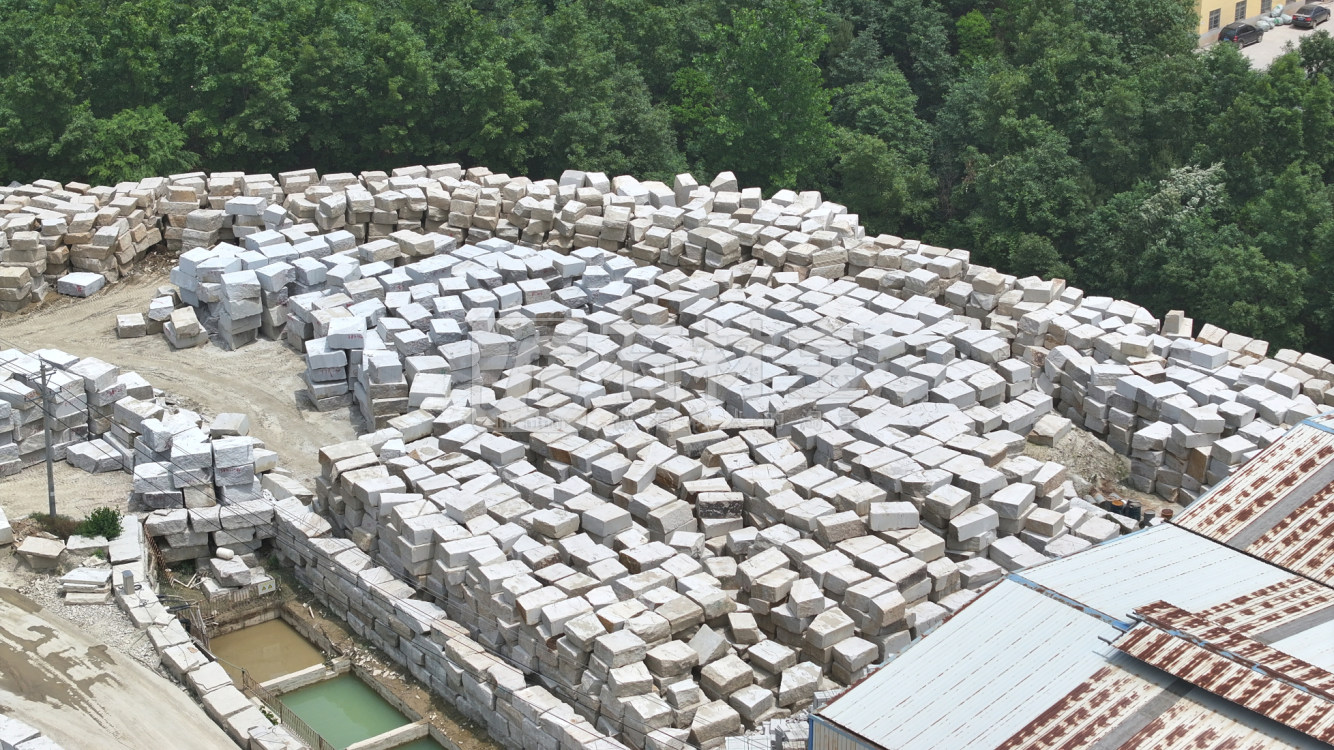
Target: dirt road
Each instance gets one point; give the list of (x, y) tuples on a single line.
[(77, 491), (86, 696), (262, 379)]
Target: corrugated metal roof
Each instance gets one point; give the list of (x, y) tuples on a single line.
[(1243, 671), (1287, 605), (1322, 421), (1210, 635), (1130, 705), (1203, 720), (1314, 644), (1303, 540), (1160, 563), (1280, 505), (1094, 709), (985, 674)]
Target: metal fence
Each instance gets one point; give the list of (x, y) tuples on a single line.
[(293, 723), (230, 601), (155, 566)]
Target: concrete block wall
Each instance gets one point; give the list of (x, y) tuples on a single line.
[(437, 651), (204, 484)]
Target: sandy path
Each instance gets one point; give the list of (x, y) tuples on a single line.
[(262, 379), (85, 695)]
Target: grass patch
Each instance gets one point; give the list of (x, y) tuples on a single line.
[(58, 525)]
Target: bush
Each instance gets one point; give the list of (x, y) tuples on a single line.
[(104, 522), (57, 525)]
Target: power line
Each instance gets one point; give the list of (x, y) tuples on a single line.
[(461, 610)]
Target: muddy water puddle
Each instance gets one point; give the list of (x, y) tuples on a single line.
[(268, 650)]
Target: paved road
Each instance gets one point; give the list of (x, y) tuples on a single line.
[(1276, 41), (86, 696)]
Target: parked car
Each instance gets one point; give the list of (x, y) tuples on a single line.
[(1310, 16), (1243, 34)]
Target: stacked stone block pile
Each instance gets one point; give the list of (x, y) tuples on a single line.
[(682, 455)]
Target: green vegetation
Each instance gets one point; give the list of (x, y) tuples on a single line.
[(103, 522), (1079, 138), (57, 525)]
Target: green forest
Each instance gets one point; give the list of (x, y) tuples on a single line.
[(1085, 139)]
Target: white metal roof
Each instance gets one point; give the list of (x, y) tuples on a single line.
[(1314, 644), (985, 674), (1163, 563)]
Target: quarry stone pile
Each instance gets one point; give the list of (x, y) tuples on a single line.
[(640, 464), (49, 230)]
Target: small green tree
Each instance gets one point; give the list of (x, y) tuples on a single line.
[(103, 522)]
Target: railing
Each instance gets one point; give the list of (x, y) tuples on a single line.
[(197, 627), (289, 720), (210, 609), (155, 566)]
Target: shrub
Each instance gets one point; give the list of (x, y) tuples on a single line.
[(104, 522)]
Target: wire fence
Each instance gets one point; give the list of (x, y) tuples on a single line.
[(286, 717)]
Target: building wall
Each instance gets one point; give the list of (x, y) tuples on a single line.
[(1227, 13), (826, 736)]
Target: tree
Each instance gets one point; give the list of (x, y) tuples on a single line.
[(1174, 252), (915, 34), (756, 104), (889, 192), (1316, 53), (973, 32), (1030, 185), (130, 145), (886, 108)]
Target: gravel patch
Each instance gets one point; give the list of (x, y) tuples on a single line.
[(105, 622)]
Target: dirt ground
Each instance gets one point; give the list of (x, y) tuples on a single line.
[(77, 491), (262, 380), (1092, 462)]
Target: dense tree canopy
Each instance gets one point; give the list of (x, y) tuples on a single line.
[(1081, 138)]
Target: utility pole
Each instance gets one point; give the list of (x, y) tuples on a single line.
[(50, 449)]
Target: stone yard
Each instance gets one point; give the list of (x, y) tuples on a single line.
[(637, 464)]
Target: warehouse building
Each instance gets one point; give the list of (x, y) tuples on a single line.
[(1215, 630)]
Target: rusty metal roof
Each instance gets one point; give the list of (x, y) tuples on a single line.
[(1201, 720), (1279, 506), (1092, 710), (1272, 612), (1241, 670), (1151, 710)]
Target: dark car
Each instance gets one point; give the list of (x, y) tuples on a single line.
[(1310, 16), (1243, 34)]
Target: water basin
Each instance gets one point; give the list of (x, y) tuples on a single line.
[(268, 650), (343, 710)]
